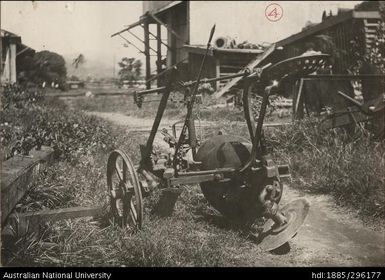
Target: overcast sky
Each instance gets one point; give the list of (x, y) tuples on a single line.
[(70, 27)]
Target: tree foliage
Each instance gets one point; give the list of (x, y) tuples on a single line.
[(44, 66), (130, 69)]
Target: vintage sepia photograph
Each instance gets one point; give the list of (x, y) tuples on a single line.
[(192, 134)]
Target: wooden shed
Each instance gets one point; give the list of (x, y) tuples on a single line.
[(13, 52), (343, 28)]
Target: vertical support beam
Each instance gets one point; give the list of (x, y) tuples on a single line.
[(147, 53), (171, 60), (298, 108), (217, 72), (12, 63), (159, 52), (192, 136), (1, 77), (174, 39), (1, 60)]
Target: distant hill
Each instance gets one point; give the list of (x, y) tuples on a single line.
[(92, 67)]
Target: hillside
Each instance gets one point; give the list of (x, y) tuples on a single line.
[(94, 67)]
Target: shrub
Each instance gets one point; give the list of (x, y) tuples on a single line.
[(49, 122), (14, 95)]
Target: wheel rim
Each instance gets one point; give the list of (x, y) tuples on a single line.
[(126, 201)]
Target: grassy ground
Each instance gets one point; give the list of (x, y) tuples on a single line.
[(191, 237), (321, 162), (351, 169), (125, 105)]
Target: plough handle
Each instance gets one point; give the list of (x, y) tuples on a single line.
[(256, 135)]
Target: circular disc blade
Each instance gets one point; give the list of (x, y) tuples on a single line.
[(296, 212)]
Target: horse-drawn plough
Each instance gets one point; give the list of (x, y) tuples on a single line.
[(236, 175)]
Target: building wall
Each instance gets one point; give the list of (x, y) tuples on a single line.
[(152, 6), (209, 71)]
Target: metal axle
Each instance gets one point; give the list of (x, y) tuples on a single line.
[(188, 84)]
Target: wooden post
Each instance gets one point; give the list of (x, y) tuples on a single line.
[(298, 108), (147, 53), (173, 38), (217, 72), (12, 63), (159, 52), (170, 29)]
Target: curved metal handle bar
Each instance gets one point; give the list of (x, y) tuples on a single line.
[(146, 156), (247, 110), (255, 131)]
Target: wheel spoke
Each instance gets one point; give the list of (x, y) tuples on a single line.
[(119, 172), (124, 171), (133, 211)]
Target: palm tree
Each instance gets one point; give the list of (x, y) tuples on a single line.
[(80, 60)]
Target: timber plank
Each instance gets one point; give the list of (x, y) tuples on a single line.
[(17, 174), (61, 214), (21, 224)]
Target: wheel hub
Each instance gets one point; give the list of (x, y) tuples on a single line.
[(289, 218)]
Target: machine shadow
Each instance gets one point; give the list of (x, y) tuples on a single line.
[(219, 221)]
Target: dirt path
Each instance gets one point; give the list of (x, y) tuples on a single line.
[(132, 123), (331, 236)]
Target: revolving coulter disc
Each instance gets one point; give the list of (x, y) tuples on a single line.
[(274, 236)]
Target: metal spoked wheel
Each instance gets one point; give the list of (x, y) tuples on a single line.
[(126, 199)]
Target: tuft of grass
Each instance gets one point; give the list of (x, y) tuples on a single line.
[(350, 168)]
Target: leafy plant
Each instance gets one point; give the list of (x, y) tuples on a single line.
[(131, 69), (26, 123), (19, 96)]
